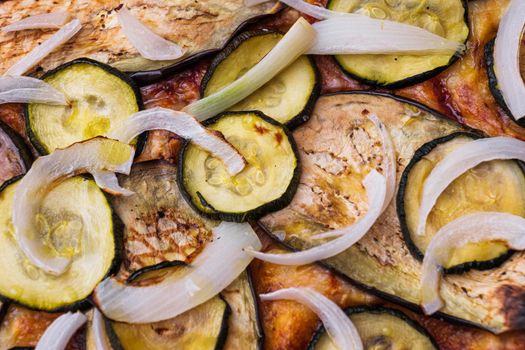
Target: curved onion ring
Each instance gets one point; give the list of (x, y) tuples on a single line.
[(222, 261), (338, 325), (473, 228), (375, 185), (20, 89), (506, 58), (53, 20), (459, 161), (98, 154), (58, 334)]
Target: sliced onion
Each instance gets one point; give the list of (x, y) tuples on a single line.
[(345, 35), (58, 334), (95, 155), (41, 51), (53, 20), (29, 90), (297, 41), (472, 228), (375, 185), (108, 181), (148, 44), (506, 58), (221, 261), (183, 125), (338, 325), (99, 331), (459, 161)]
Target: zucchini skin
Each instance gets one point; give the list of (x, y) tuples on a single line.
[(414, 250), (141, 141), (416, 78), (86, 303), (300, 118), (376, 310), (493, 80), (260, 211)]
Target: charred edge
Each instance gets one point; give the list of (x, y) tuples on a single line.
[(416, 78), (374, 291), (159, 266), (401, 214), (23, 149), (376, 310), (143, 78), (141, 141), (513, 306), (493, 81), (256, 213)]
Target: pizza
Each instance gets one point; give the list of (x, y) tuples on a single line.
[(251, 174)]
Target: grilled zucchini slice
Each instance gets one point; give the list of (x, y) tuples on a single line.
[(498, 186), (380, 328), (77, 221), (15, 157), (204, 327), (446, 18), (288, 98), (99, 96), (268, 182)]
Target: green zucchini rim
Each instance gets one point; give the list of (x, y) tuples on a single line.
[(256, 213), (493, 81), (295, 121), (401, 213), (84, 303), (377, 310), (418, 78), (41, 149)]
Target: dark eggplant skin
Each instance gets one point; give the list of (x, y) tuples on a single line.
[(23, 149), (159, 266), (84, 304), (136, 90), (493, 80), (375, 310), (262, 336), (260, 211), (416, 253), (302, 116), (416, 78)]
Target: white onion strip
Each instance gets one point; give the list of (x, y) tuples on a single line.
[(100, 336), (221, 261), (183, 125), (459, 161), (44, 49), (148, 44), (506, 58), (338, 325), (344, 35), (53, 20), (472, 228), (295, 42), (375, 185), (89, 156), (108, 181), (58, 334), (29, 90)]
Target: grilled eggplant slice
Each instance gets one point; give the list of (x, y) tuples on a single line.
[(268, 182), (76, 221), (159, 225), (338, 146), (196, 26), (204, 327), (99, 97), (446, 18), (244, 329), (380, 328), (15, 158), (497, 186), (287, 98)]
